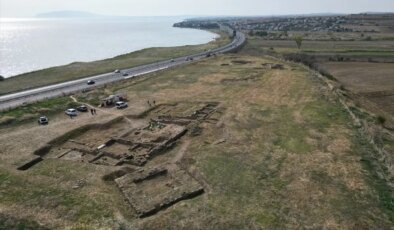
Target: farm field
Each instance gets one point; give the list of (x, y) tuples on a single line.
[(362, 77), (324, 51), (328, 45), (374, 82)]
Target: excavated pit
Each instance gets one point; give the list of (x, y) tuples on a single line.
[(151, 190), (118, 144)]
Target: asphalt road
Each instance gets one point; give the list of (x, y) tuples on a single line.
[(29, 96)]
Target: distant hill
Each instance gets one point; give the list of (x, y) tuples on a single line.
[(67, 14)]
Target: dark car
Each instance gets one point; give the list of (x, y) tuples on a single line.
[(43, 120), (208, 55), (91, 82), (125, 74), (82, 108)]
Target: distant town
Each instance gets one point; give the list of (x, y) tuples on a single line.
[(266, 26)]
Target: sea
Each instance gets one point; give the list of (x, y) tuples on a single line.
[(29, 44)]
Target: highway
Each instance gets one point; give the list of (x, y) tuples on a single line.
[(33, 95)]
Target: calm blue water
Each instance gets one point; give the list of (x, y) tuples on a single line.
[(33, 44)]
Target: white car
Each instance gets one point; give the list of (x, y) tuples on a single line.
[(71, 112), (116, 71), (121, 105), (43, 120)]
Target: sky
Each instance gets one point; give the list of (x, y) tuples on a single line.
[(30, 8)]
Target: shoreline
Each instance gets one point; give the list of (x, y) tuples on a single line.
[(217, 36), (53, 42), (78, 70)]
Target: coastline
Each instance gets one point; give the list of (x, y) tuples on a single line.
[(33, 44), (78, 70)]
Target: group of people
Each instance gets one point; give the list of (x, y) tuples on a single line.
[(151, 104), (93, 111)]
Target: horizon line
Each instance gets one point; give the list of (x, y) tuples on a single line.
[(93, 15)]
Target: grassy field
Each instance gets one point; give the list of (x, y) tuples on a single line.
[(84, 69), (289, 157)]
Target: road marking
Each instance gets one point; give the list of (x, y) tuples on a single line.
[(146, 72)]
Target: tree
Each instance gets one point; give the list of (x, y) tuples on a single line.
[(1, 78), (261, 33), (298, 39)]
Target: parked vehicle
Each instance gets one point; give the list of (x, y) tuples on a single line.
[(125, 74), (121, 105), (82, 108), (71, 112), (43, 120), (116, 71), (91, 82)]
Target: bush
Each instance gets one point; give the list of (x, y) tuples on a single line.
[(261, 33), (381, 120), (305, 59), (309, 61), (326, 74)]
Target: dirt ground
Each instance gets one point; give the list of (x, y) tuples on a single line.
[(279, 151)]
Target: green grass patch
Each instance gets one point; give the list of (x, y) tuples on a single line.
[(321, 114), (371, 164), (47, 106), (27, 113), (290, 135), (237, 184), (9, 222), (389, 145), (70, 204)]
